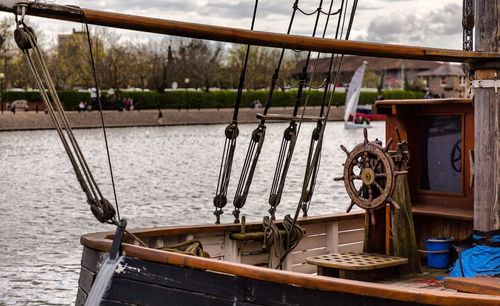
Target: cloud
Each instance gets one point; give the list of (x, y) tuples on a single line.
[(411, 27), (244, 9)]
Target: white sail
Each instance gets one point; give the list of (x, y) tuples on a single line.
[(351, 101)]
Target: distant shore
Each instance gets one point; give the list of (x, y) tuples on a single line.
[(40, 121)]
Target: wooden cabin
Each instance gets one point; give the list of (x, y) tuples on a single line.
[(440, 134)]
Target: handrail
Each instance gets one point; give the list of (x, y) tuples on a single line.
[(234, 35), (410, 295)]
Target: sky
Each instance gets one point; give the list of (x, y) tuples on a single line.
[(429, 23)]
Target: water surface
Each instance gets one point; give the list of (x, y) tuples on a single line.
[(164, 176)]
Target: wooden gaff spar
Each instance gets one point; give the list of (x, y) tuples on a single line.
[(234, 35)]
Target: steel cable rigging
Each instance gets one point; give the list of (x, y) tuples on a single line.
[(289, 136), (314, 159), (231, 133), (258, 136), (294, 232), (316, 142)]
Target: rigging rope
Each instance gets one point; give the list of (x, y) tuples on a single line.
[(317, 153), (313, 162), (294, 232), (257, 139), (231, 133), (98, 97), (289, 137), (26, 40)]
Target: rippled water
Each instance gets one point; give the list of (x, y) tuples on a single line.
[(164, 176)]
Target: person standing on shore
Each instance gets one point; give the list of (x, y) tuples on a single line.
[(160, 116), (81, 107)]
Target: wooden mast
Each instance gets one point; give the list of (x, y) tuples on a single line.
[(487, 120), (234, 35)]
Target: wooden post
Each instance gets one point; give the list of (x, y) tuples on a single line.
[(486, 120)]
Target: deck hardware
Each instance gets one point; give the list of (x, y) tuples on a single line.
[(117, 240), (243, 224), (492, 83)]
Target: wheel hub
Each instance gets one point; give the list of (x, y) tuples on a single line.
[(367, 176)]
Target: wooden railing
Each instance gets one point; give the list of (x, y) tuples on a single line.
[(323, 235)]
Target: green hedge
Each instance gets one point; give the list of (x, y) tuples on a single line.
[(226, 98), (70, 99), (202, 99)]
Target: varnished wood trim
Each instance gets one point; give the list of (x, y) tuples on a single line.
[(98, 241), (234, 35), (443, 212), (424, 101), (484, 285)]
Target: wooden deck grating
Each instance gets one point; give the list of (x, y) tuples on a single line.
[(356, 261)]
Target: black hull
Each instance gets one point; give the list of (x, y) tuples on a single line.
[(142, 282)]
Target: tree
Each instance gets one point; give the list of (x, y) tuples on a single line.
[(69, 62), (370, 79), (261, 64), (161, 62), (201, 62)]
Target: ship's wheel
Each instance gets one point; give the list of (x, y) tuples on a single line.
[(369, 175)]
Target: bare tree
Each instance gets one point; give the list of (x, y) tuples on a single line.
[(201, 62), (161, 62)]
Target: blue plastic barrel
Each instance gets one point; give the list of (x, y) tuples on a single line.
[(437, 250)]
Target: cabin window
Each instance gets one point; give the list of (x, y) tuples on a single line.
[(441, 163)]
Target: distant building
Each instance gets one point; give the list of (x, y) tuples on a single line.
[(393, 73), (64, 39), (445, 81)]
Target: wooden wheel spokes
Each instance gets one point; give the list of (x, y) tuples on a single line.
[(369, 175)]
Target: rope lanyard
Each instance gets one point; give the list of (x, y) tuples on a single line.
[(257, 139), (98, 98), (314, 159), (289, 138), (26, 40), (315, 146), (231, 133), (293, 242)]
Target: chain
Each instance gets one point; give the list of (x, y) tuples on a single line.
[(468, 27), (468, 23)]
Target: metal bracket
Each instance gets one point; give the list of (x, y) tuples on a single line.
[(117, 240), (486, 84), (21, 8)]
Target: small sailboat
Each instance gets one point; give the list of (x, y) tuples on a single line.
[(352, 99)]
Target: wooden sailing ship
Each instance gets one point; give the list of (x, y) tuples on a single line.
[(344, 258)]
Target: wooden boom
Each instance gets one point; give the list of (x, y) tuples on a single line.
[(234, 35)]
